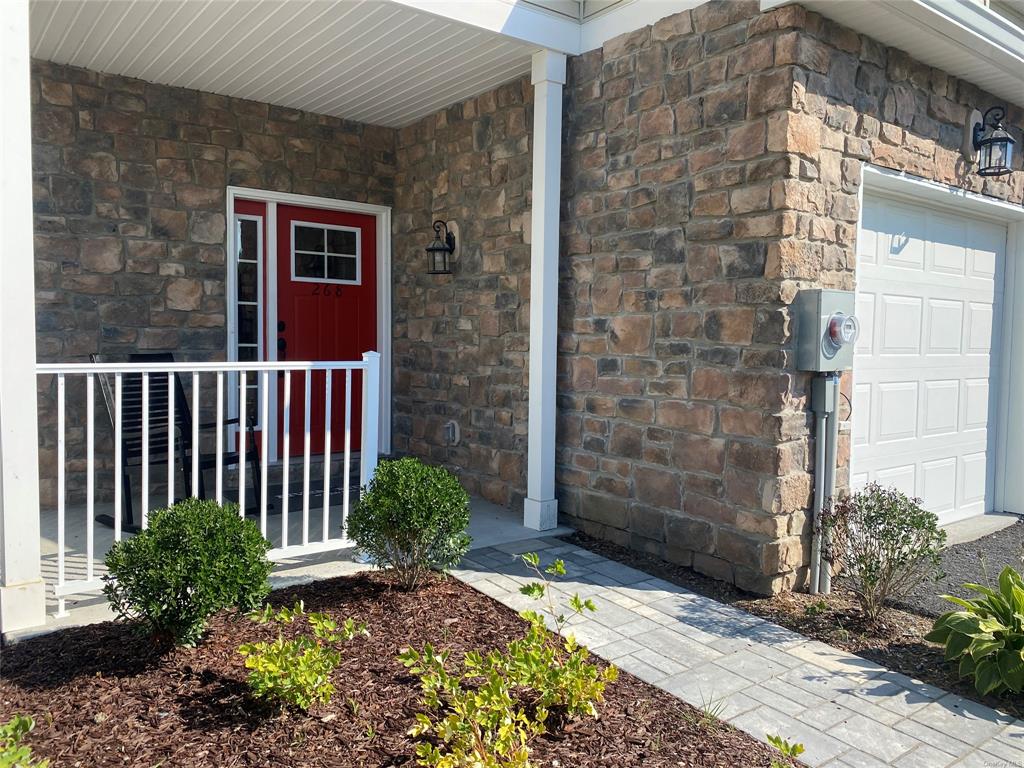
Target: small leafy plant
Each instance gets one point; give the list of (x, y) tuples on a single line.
[(194, 559), (791, 751), (986, 638), (486, 714), (14, 754), (885, 542), (297, 672), (412, 518)]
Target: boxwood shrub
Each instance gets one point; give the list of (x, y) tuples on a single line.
[(194, 559), (412, 518)]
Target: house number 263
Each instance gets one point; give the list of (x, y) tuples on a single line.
[(326, 290)]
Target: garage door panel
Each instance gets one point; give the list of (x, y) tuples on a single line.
[(940, 407), (938, 484), (948, 245), (902, 478), (865, 344), (901, 325), (975, 477), (928, 295), (944, 323), (988, 243), (906, 228), (976, 404), (978, 329), (896, 414)]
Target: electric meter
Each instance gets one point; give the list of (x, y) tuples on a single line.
[(842, 329), (826, 329)]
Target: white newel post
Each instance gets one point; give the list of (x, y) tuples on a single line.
[(22, 595), (540, 510), (370, 438)]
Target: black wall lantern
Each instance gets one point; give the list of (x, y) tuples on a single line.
[(439, 250), (989, 142)]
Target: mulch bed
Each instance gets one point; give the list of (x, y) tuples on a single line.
[(896, 641), (102, 696)]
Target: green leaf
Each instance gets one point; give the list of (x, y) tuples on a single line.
[(1011, 669), (956, 645), (534, 590), (557, 568), (965, 624), (987, 677), (981, 648), (965, 604), (532, 559), (967, 665), (1008, 579)]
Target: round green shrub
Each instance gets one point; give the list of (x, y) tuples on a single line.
[(885, 542), (412, 518), (193, 560)]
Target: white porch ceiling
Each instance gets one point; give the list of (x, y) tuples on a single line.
[(376, 62)]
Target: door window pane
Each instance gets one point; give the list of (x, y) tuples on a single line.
[(248, 239), (309, 239), (248, 324), (309, 265), (341, 241), (341, 268), (248, 281)]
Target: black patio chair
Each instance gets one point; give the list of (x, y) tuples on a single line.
[(131, 432)]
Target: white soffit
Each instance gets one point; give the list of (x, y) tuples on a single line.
[(551, 23), (961, 37), (382, 63)]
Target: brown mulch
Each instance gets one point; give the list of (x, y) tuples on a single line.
[(896, 640), (102, 696)]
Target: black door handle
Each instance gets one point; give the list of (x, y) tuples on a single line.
[(282, 348)]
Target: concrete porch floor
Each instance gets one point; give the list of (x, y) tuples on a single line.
[(489, 525)]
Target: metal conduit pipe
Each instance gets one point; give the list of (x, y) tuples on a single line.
[(820, 424), (825, 402), (831, 451)]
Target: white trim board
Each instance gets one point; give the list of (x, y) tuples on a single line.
[(1008, 394), (382, 214)]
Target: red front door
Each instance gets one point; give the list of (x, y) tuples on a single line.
[(326, 310)]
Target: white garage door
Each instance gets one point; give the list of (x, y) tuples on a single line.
[(929, 286)]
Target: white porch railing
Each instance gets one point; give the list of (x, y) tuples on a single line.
[(128, 387)]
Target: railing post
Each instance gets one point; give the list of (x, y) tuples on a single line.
[(22, 592), (368, 451)]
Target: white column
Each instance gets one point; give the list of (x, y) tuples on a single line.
[(540, 510), (22, 597)]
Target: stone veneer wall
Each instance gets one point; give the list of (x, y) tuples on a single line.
[(461, 341), (714, 161), (674, 432), (129, 191)]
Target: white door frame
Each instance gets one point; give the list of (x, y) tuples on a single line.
[(382, 214), (1008, 387)]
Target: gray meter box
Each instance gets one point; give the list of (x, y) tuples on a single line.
[(826, 329)]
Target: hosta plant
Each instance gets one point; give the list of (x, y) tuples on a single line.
[(14, 754), (297, 672), (986, 637), (486, 713)]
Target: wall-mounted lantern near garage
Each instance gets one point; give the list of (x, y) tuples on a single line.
[(988, 142), (439, 251)]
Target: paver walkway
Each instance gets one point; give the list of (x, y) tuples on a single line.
[(848, 712)]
